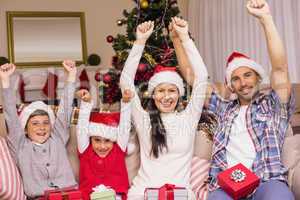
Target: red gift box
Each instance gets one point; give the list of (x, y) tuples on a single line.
[(68, 193), (166, 192), (238, 181)]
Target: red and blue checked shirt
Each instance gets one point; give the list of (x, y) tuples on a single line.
[(267, 121)]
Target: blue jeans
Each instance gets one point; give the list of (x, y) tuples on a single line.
[(270, 190)]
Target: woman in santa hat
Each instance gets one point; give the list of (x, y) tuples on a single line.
[(166, 136), (38, 140), (102, 145)]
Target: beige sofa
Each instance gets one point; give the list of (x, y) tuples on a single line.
[(290, 155)]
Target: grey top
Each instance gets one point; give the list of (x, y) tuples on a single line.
[(42, 166)]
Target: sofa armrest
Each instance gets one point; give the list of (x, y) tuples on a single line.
[(295, 185)]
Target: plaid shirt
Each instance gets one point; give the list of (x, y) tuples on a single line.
[(267, 120)]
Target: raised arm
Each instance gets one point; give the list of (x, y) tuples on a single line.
[(9, 105), (195, 104), (82, 128), (184, 65), (63, 119), (125, 120), (280, 82), (143, 32), (183, 61)]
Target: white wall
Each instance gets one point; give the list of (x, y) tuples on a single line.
[(100, 16)]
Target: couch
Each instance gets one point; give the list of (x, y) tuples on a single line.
[(290, 154)]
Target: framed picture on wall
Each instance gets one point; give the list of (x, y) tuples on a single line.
[(38, 39)]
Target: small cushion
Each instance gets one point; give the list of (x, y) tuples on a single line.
[(296, 181), (11, 186), (199, 175)]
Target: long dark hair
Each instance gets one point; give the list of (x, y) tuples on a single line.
[(158, 131)]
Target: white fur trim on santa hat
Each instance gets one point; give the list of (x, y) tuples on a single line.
[(102, 130), (37, 105), (166, 77), (243, 62)]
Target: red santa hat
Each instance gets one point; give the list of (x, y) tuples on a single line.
[(37, 105), (104, 125), (237, 60), (165, 75)]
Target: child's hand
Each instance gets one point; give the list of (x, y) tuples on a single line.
[(172, 32), (144, 31), (71, 69), (127, 95), (181, 27), (6, 71), (84, 95)]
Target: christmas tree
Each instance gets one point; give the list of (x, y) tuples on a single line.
[(159, 48)]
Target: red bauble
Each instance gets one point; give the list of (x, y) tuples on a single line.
[(110, 39), (142, 67), (114, 60), (107, 78), (98, 77)]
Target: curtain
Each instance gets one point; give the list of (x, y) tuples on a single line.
[(222, 26)]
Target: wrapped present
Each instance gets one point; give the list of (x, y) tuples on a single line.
[(103, 193), (166, 192), (68, 193), (238, 181)]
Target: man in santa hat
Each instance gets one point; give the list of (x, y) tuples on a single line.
[(252, 127)]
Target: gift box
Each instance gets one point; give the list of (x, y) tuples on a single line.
[(238, 181), (103, 195), (101, 192), (69, 193), (166, 192)]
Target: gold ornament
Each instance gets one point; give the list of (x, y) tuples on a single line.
[(122, 55), (144, 4), (119, 22), (130, 42), (146, 94), (150, 59)]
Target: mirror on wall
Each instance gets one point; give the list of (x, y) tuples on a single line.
[(40, 39)]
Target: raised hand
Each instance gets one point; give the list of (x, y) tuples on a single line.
[(181, 27), (84, 95), (6, 71), (71, 69), (258, 8), (144, 31), (127, 95), (172, 32)]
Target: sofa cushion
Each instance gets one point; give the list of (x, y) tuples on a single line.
[(296, 182), (11, 187), (203, 146), (133, 160), (296, 88)]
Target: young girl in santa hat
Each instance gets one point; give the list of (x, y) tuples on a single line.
[(37, 140), (102, 143), (166, 137)]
